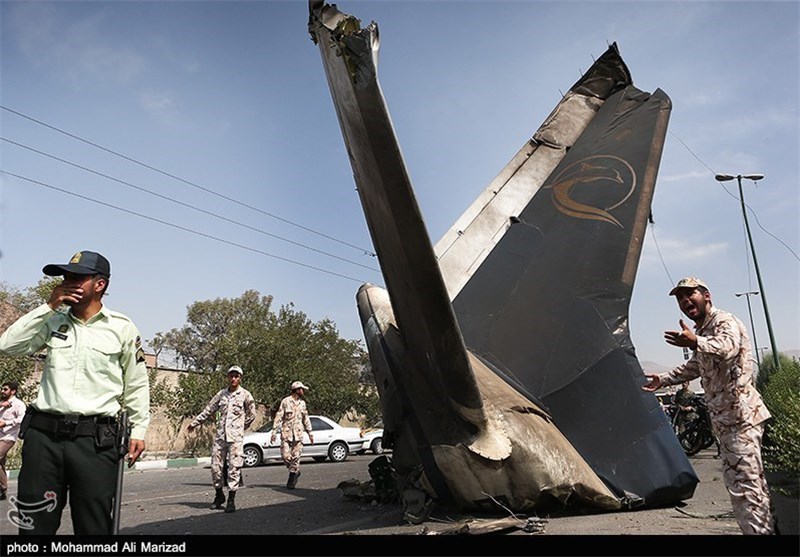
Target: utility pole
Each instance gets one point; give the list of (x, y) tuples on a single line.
[(754, 177), (752, 325)]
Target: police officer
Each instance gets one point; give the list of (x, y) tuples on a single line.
[(94, 357), (237, 410), (722, 359), (292, 420)]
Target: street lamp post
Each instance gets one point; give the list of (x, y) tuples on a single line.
[(752, 325), (754, 177)]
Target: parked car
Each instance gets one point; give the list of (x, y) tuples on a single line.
[(373, 440), (331, 441)]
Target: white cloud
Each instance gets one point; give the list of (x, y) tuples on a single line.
[(158, 104), (681, 251), (694, 175), (77, 49)]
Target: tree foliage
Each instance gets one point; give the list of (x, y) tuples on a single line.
[(273, 349), (782, 396)]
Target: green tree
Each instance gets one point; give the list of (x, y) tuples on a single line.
[(782, 435), (15, 303), (272, 348), (768, 368)]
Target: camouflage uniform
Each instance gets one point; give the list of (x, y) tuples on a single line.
[(722, 361), (292, 420), (237, 412)]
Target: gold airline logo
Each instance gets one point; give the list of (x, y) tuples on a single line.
[(593, 187)]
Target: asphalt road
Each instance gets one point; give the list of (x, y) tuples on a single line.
[(175, 502)]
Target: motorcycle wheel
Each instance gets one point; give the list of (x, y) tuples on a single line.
[(691, 441)]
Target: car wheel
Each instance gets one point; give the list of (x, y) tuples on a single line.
[(338, 450), (377, 445), (252, 456), (319, 458)]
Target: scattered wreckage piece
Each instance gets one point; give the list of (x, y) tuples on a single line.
[(480, 526), (502, 356)]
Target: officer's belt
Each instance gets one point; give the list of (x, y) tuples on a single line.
[(69, 424)]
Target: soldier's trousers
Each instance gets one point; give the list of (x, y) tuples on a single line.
[(232, 453), (54, 468), (291, 452), (743, 473)]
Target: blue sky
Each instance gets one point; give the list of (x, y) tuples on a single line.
[(231, 99)]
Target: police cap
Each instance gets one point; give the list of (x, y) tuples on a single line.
[(82, 263)]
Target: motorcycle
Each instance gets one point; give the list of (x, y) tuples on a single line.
[(693, 426)]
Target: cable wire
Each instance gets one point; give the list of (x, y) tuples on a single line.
[(658, 249), (752, 212), (187, 182), (167, 198), (179, 227)]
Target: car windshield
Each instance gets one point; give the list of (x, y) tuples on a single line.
[(265, 428)]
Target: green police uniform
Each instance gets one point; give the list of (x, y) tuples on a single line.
[(69, 444)]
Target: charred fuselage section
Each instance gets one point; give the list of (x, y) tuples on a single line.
[(502, 355)]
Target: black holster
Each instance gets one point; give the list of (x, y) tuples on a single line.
[(105, 435)]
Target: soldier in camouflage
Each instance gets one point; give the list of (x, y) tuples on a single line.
[(236, 407), (292, 420), (722, 359)]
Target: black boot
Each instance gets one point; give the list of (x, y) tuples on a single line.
[(231, 502), (292, 481), (219, 500)]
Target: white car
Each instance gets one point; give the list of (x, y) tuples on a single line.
[(331, 440), (373, 440)]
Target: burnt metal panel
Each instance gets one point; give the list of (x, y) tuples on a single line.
[(549, 305), (530, 368)]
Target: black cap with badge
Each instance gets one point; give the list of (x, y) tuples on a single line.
[(82, 263)]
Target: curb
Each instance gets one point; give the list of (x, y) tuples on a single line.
[(152, 465), (172, 463)]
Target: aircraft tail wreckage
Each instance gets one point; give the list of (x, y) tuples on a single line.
[(502, 355)]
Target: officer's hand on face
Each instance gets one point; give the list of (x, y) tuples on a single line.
[(653, 383), (63, 293), (135, 449)]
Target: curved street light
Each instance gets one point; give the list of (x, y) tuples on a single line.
[(754, 177)]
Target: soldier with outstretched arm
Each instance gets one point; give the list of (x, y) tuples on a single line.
[(722, 359)]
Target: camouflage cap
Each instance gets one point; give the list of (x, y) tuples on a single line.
[(688, 282), (298, 385), (235, 369)]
